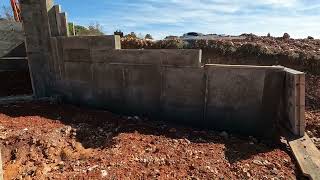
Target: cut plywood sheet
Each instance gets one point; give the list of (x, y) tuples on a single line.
[(295, 102), (307, 156)]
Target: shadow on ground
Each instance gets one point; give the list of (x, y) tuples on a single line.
[(15, 83), (97, 129)]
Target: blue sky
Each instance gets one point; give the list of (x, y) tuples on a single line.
[(299, 18)]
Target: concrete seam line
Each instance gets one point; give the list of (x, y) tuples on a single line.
[(205, 94)]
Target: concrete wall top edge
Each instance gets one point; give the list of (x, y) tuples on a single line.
[(292, 71), (84, 37), (158, 50), (245, 66)]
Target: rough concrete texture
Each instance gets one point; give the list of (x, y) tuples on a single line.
[(11, 36), (240, 99), (90, 42), (294, 100), (243, 96), (183, 95), (64, 24), (169, 84), (13, 64), (55, 20), (78, 71), (171, 57), (37, 35)]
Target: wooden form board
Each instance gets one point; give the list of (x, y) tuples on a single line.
[(295, 101), (307, 156)]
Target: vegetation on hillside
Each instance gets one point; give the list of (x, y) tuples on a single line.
[(148, 36), (92, 30), (301, 54)]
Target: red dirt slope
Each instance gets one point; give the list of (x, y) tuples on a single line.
[(60, 141)]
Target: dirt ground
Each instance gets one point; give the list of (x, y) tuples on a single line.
[(313, 107), (41, 140), (48, 141)]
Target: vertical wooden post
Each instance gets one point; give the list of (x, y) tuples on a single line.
[(295, 102)]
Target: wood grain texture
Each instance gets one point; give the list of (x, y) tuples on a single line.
[(307, 156)]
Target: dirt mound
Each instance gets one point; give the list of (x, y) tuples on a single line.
[(313, 107), (41, 140), (301, 54)]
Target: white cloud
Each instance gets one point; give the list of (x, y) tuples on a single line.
[(285, 3), (297, 17)]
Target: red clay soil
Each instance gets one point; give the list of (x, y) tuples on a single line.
[(15, 83), (313, 107), (299, 54), (50, 141)]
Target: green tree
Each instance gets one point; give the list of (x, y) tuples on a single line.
[(92, 30), (71, 28), (131, 35), (119, 32), (148, 36), (140, 36), (95, 29)]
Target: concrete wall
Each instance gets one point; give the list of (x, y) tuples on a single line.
[(243, 96), (183, 94), (13, 64), (37, 37), (168, 84), (11, 36)]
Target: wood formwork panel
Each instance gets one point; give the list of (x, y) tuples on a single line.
[(294, 99)]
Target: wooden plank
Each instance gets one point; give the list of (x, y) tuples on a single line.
[(307, 156), (301, 105), (295, 102)]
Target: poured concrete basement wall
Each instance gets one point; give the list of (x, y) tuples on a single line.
[(169, 84), (13, 64), (243, 98), (172, 85)]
